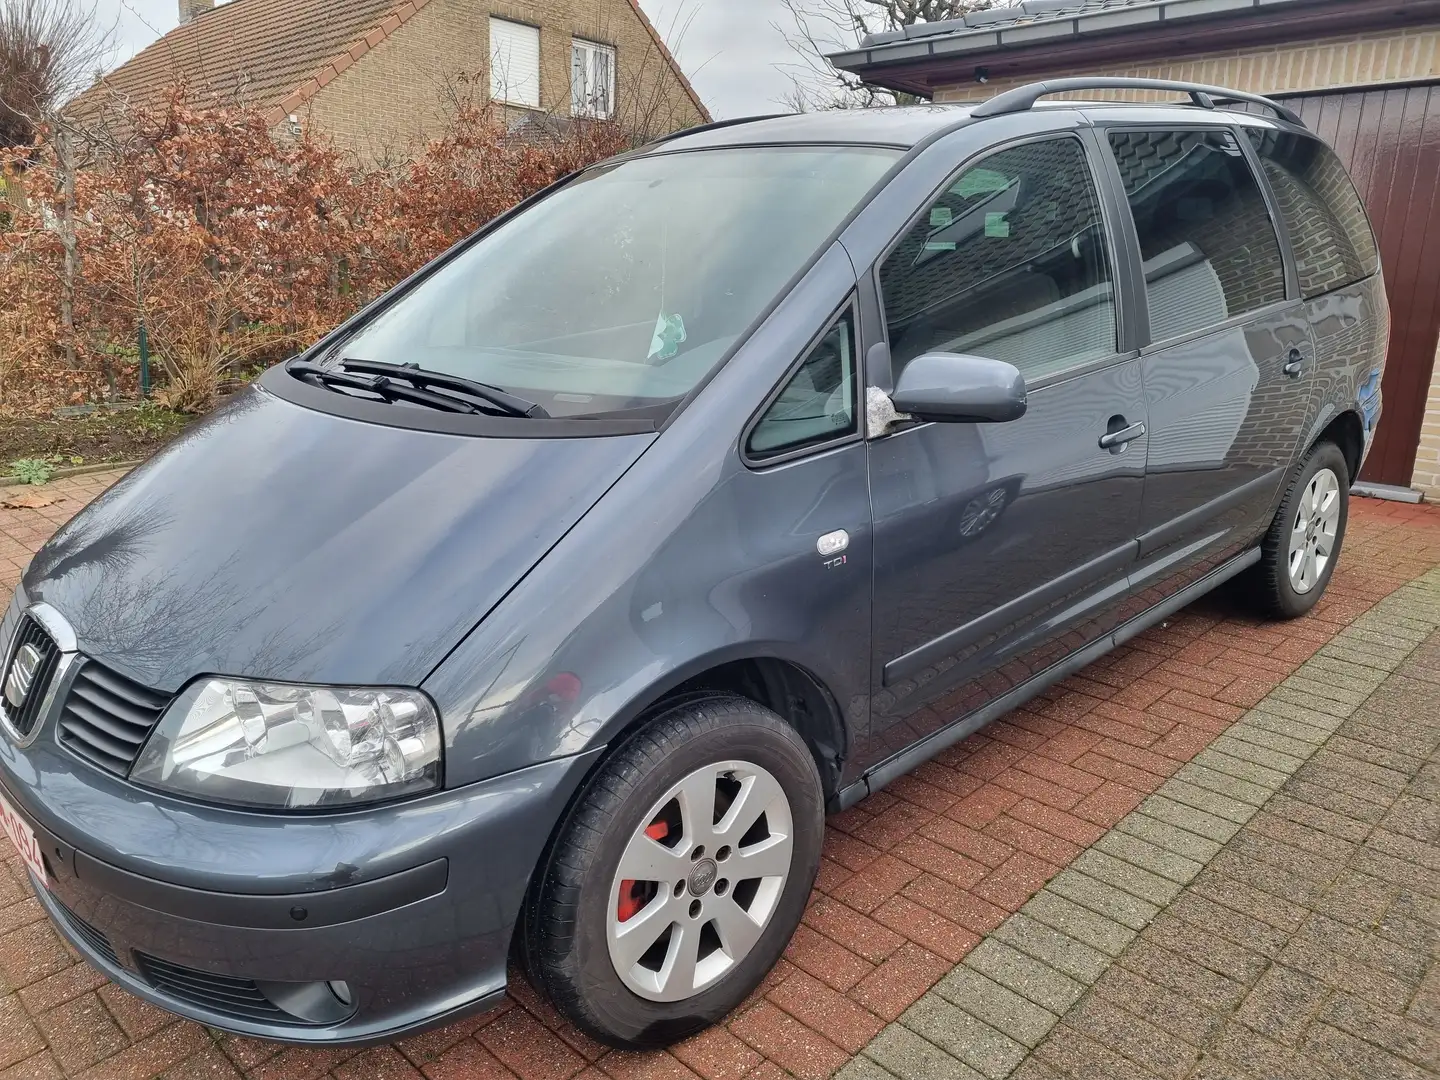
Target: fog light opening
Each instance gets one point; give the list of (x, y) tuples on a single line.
[(312, 1002)]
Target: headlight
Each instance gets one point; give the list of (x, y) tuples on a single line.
[(269, 744)]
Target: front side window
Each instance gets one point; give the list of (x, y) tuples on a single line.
[(1009, 263), (625, 288), (1209, 247), (818, 403), (1329, 231), (515, 63), (592, 80)]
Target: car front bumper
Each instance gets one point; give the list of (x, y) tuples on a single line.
[(241, 920)]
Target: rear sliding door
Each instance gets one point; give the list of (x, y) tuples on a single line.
[(1229, 368)]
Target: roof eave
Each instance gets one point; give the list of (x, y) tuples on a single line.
[(918, 64), (669, 58)]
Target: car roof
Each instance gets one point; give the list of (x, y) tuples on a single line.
[(905, 126), (894, 125)]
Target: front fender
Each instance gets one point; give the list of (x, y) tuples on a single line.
[(595, 635)]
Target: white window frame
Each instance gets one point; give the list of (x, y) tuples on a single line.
[(514, 63), (592, 79)]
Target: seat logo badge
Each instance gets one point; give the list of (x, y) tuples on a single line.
[(832, 547), (22, 674)]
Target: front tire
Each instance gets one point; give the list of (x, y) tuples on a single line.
[(680, 874), (1299, 552)]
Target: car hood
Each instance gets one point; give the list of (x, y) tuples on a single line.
[(278, 542)]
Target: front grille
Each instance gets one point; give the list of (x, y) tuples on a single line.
[(26, 715), (97, 941), (107, 717), (223, 994)]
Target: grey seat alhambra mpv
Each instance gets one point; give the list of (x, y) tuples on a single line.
[(543, 609)]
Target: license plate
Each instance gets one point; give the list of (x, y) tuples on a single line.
[(23, 837)]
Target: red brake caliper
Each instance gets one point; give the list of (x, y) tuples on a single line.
[(632, 893)]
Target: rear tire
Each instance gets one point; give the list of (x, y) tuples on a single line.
[(680, 874), (1302, 545)]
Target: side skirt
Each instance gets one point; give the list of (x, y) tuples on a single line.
[(922, 751)]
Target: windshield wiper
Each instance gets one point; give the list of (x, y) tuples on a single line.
[(382, 387), (507, 403), (397, 382)]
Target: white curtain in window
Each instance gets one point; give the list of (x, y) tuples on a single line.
[(514, 63)]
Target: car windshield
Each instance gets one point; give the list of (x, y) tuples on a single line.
[(624, 289)]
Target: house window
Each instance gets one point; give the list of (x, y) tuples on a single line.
[(592, 80), (514, 63)]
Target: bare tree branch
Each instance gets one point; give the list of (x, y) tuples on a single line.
[(50, 50), (815, 28)]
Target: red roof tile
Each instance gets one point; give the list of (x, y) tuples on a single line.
[(256, 52)]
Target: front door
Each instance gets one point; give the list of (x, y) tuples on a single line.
[(999, 548), (1229, 373)]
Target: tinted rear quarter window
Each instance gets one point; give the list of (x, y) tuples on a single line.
[(1209, 247), (1329, 231)]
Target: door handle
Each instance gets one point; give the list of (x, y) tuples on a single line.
[(1118, 437), (1294, 364)]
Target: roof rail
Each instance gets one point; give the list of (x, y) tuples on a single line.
[(712, 126), (1022, 98)]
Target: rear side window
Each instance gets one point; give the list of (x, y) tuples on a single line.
[(1208, 244), (817, 405), (1329, 231), (1010, 263)]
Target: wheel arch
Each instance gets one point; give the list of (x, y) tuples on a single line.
[(786, 686), (1347, 431)]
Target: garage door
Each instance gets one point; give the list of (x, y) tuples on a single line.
[(1390, 141)]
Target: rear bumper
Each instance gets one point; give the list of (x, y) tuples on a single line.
[(415, 948), (1371, 403)]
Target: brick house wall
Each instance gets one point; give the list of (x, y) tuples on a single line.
[(1323, 63), (396, 94), (1427, 458)]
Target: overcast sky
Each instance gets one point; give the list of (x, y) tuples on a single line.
[(729, 48)]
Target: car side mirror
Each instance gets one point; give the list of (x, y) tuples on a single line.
[(954, 388)]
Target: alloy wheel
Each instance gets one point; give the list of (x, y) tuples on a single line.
[(1312, 536), (699, 880)]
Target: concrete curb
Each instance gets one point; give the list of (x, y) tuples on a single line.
[(77, 470)]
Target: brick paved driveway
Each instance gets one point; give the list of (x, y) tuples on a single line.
[(913, 880)]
